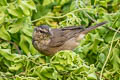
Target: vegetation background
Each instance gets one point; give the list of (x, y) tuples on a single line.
[(96, 58)]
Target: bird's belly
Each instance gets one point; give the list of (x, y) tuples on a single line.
[(68, 45)]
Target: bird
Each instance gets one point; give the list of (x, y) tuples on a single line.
[(49, 41)]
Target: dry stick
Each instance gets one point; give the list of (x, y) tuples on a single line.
[(13, 44), (109, 50)]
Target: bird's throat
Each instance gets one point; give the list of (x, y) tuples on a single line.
[(41, 41)]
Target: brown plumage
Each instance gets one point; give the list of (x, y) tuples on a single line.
[(49, 41)]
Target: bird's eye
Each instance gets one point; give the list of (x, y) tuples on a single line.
[(44, 30)]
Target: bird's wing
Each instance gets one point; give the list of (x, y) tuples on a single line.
[(60, 36), (72, 28)]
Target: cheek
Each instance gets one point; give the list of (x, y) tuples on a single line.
[(37, 36)]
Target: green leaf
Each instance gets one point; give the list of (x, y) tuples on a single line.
[(93, 2), (30, 4), (104, 3), (14, 28), (64, 60), (2, 16), (72, 6), (48, 72), (116, 59), (3, 2), (28, 31), (16, 67), (109, 36), (4, 34), (24, 44), (25, 9), (15, 11), (41, 11), (92, 76), (7, 54), (102, 58), (47, 2)]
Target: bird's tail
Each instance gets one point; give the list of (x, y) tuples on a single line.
[(93, 27)]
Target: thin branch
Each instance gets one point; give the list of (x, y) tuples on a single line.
[(13, 44), (113, 29), (102, 75), (89, 16), (61, 16)]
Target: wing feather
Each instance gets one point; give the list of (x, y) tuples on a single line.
[(60, 36)]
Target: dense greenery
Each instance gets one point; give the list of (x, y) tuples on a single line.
[(96, 58)]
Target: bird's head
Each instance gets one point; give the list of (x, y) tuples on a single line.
[(42, 32)]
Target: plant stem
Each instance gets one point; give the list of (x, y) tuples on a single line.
[(61, 16), (109, 49)]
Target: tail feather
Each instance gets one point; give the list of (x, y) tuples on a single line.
[(93, 27)]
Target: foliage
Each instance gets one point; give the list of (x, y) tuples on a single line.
[(97, 56)]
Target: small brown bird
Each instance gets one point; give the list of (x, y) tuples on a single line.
[(49, 41)]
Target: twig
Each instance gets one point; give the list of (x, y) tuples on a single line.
[(113, 29), (102, 75), (13, 44)]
